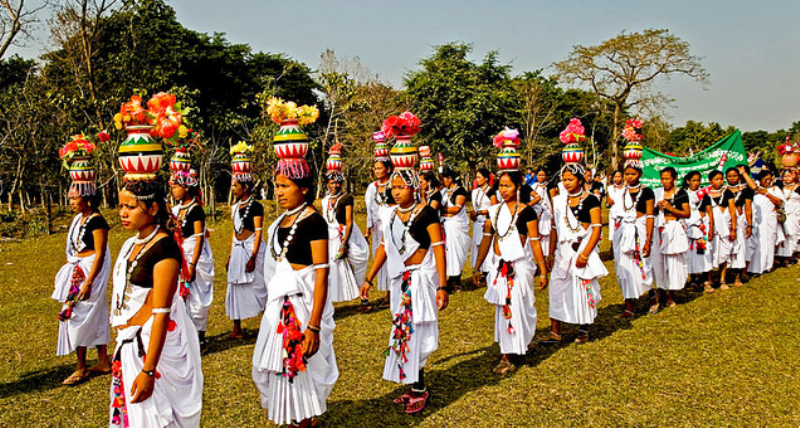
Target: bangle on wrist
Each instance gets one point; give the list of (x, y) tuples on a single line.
[(368, 281), (580, 255), (314, 329)]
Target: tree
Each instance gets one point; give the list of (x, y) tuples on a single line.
[(624, 69), (462, 104), (16, 18), (540, 98)]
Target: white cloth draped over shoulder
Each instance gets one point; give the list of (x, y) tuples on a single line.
[(247, 293), (480, 202), (201, 290), (634, 272), (544, 210), (88, 325), (374, 204), (347, 273), (791, 227), (574, 292), (421, 284), (699, 259), (307, 394), (768, 233), (738, 257), (615, 212), (177, 398), (721, 245), (513, 334), (456, 234), (669, 250)]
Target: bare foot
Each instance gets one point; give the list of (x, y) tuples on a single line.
[(77, 377), (236, 335), (101, 368)]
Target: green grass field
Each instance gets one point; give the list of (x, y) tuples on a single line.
[(728, 358)]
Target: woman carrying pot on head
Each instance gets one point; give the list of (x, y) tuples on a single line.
[(413, 254), (511, 234), (455, 224), (377, 197), (429, 190), (483, 197), (157, 373), (197, 274), (247, 293), (81, 283), (294, 364), (348, 251), (791, 226)]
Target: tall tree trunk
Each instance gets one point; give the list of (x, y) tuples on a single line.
[(615, 135)]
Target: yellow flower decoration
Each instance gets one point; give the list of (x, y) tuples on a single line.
[(241, 147)]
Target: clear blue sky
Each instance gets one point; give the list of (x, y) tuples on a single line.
[(751, 49)]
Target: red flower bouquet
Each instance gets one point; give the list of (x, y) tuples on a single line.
[(79, 146), (630, 132), (404, 125), (573, 133)]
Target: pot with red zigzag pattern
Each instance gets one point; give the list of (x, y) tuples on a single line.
[(81, 169), (180, 161), (403, 154), (140, 155), (572, 153), (290, 141), (508, 158), (426, 161), (633, 151)]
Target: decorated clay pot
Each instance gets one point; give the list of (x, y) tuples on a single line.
[(632, 151), (508, 158), (403, 154), (382, 150), (789, 160), (241, 163), (180, 161), (81, 169), (572, 153), (140, 155), (334, 163), (426, 161), (290, 141)]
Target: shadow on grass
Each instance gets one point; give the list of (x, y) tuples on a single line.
[(221, 342), (39, 380)]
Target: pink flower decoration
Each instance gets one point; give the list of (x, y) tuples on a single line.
[(506, 135), (379, 136), (573, 133)]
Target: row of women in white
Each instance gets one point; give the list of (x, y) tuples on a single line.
[(678, 228)]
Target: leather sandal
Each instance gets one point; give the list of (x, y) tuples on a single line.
[(625, 314), (708, 288), (503, 367), (550, 338), (417, 404), (403, 399)]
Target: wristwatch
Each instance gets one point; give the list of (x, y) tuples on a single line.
[(150, 373)]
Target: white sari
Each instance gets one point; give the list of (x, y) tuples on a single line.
[(669, 250), (347, 273), (177, 398), (634, 272), (511, 292), (456, 234), (247, 293), (88, 325), (201, 290), (480, 202), (544, 210), (305, 396), (374, 205), (768, 234), (413, 304)]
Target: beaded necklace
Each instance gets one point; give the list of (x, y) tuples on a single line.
[(482, 195), (380, 197), (186, 207), (406, 225), (132, 264), (76, 244), (289, 237), (450, 193), (333, 204), (242, 218), (638, 195), (567, 208), (511, 225)]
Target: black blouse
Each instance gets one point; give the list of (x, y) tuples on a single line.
[(523, 218), (721, 200), (97, 222), (677, 200), (459, 192), (436, 196), (164, 248), (341, 208), (584, 213), (310, 229), (647, 195), (256, 210), (387, 193), (419, 228), (194, 214)]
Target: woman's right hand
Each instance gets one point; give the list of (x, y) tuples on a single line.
[(476, 276), (369, 233), (364, 291)]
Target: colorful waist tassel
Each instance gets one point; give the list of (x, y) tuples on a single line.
[(294, 359), (184, 290), (637, 257), (403, 328), (587, 284), (78, 277), (506, 270)]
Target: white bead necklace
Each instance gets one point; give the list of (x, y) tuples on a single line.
[(567, 208), (333, 204), (511, 224), (75, 244), (132, 265), (406, 225), (289, 237), (242, 217), (638, 195)]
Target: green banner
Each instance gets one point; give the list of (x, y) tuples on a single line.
[(731, 147)]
